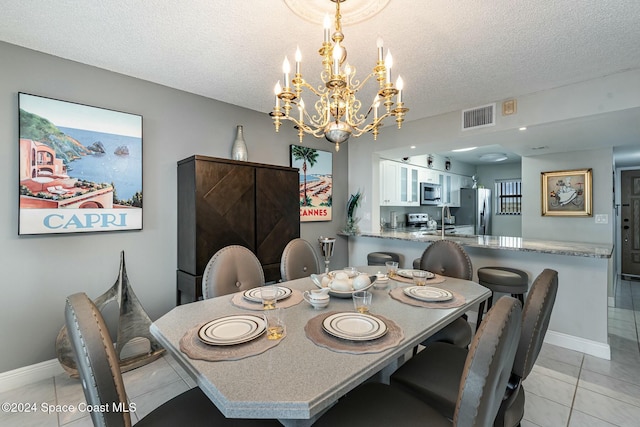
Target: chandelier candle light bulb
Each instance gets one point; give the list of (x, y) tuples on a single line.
[(298, 59), (286, 69), (336, 114), (388, 63)]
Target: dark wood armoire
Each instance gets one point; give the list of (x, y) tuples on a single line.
[(225, 202)]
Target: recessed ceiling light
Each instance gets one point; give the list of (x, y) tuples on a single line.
[(459, 150), (523, 128), (413, 147), (493, 157)]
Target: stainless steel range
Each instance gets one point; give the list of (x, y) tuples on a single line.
[(417, 219)]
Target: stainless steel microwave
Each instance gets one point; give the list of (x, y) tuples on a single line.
[(430, 194)]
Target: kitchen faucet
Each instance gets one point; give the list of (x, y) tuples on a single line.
[(445, 207)]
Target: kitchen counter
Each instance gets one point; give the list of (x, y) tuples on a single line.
[(585, 274), (578, 249)]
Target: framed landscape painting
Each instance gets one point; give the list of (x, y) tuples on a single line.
[(567, 193), (316, 182), (80, 168)]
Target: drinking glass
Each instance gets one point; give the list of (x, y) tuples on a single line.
[(268, 295), (362, 301), (419, 277), (392, 268), (275, 323)]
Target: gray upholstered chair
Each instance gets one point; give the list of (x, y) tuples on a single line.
[(102, 381), (434, 374), (299, 259), (233, 268), (486, 371), (448, 258)]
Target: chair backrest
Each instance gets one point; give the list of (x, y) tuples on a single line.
[(299, 259), (488, 365), (233, 268), (96, 361), (535, 321), (448, 259)]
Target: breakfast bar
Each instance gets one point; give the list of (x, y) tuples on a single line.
[(585, 273)]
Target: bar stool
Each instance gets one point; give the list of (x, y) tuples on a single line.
[(380, 258), (502, 279)]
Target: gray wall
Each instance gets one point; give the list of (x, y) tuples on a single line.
[(572, 229), (38, 272)]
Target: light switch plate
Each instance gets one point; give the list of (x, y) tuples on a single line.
[(602, 219)]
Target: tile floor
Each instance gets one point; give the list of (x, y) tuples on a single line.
[(565, 388)]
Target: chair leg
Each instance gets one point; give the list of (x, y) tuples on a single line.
[(480, 314), (520, 297)]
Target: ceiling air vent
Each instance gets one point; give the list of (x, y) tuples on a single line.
[(479, 117)]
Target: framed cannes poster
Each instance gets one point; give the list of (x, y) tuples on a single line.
[(80, 168), (316, 182)]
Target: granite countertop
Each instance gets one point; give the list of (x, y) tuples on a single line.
[(581, 249)]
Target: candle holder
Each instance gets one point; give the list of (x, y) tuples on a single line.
[(326, 245)]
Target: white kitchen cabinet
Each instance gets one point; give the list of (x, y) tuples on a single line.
[(399, 184), (428, 175), (389, 183)]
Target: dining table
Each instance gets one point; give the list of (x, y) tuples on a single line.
[(297, 379)]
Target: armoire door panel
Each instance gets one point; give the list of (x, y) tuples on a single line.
[(277, 212)]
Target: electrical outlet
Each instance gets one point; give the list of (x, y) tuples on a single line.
[(602, 219)]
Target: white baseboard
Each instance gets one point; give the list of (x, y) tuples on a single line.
[(593, 348), (50, 368), (29, 374)]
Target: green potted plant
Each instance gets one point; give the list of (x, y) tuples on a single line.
[(352, 220)]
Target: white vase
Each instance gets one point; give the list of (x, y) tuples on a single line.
[(239, 149)]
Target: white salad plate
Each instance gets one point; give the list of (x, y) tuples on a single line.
[(354, 326), (253, 294), (408, 274), (230, 330), (428, 293)]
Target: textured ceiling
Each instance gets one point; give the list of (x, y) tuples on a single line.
[(451, 54)]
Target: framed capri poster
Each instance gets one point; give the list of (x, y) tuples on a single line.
[(316, 182), (80, 168)]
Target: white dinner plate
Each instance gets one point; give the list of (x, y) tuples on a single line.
[(408, 274), (230, 330), (253, 294), (354, 326), (428, 293)]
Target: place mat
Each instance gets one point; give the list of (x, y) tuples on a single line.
[(239, 301), (314, 331), (436, 279), (399, 295), (191, 345)]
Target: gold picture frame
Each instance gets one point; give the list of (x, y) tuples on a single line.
[(567, 193)]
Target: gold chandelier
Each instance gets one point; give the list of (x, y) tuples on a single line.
[(337, 113)]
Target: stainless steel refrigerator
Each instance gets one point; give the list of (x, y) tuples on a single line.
[(475, 209)]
